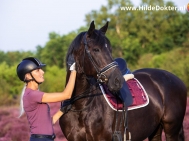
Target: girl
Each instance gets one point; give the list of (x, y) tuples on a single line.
[(34, 102)]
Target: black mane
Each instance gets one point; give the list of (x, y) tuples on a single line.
[(98, 37), (74, 45)]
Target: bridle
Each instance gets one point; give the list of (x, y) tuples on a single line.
[(101, 77)]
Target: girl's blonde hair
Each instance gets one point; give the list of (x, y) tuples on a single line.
[(21, 102)]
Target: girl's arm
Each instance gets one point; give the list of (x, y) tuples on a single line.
[(60, 96), (56, 116)]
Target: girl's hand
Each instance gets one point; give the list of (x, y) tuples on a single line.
[(56, 116), (72, 67)]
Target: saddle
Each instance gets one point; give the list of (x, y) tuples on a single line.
[(133, 94)]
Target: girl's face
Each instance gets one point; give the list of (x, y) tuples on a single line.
[(38, 75)]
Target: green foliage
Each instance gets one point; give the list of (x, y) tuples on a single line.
[(175, 61), (144, 38), (10, 86), (14, 57), (134, 33), (55, 79), (54, 52)]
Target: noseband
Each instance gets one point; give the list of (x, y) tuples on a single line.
[(101, 77)]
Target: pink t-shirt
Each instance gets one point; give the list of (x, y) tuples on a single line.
[(38, 113)]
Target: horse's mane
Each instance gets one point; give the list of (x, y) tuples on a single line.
[(74, 45), (97, 36)]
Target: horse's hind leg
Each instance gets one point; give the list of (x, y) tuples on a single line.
[(156, 135), (181, 134), (173, 133)]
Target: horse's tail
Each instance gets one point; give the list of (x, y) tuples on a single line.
[(181, 134), (21, 102)]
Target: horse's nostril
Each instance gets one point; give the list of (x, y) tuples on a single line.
[(117, 81)]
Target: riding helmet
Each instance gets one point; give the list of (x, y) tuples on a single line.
[(27, 65)]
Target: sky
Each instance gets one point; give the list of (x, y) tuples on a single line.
[(25, 24)]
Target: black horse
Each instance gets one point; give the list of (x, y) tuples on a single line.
[(88, 117)]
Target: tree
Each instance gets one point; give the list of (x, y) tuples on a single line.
[(14, 57), (54, 51), (137, 32)]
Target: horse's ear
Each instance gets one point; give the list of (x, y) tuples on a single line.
[(91, 29), (104, 28)]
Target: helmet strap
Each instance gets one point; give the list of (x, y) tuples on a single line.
[(33, 79)]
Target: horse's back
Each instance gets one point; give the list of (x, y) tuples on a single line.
[(169, 85)]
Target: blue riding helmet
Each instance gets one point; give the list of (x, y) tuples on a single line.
[(122, 66)]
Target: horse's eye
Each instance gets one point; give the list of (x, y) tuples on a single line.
[(96, 50)]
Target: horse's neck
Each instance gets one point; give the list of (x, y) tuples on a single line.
[(81, 84), (85, 87), (91, 91)]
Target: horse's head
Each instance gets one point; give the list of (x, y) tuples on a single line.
[(92, 52)]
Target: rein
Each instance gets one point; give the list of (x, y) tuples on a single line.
[(85, 94)]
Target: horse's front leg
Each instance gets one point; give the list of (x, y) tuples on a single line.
[(156, 135), (76, 134)]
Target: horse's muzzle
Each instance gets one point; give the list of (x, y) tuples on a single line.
[(115, 81)]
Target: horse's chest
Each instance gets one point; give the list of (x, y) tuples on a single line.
[(87, 119), (89, 125)]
